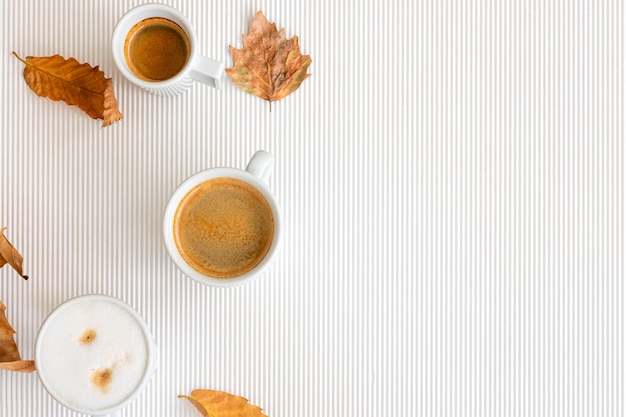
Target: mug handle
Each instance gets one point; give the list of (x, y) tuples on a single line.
[(261, 165), (207, 71)]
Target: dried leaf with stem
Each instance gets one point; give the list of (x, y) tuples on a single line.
[(213, 403), (269, 65), (74, 83)]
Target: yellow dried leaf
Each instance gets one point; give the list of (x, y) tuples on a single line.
[(269, 65), (212, 403), (76, 84), (10, 255), (10, 359)]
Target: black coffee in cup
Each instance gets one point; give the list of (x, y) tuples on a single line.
[(156, 49), (223, 227)]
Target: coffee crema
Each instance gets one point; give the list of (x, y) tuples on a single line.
[(156, 49), (223, 227)]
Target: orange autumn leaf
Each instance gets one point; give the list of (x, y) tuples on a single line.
[(269, 65), (10, 255), (212, 403), (76, 84), (10, 359)]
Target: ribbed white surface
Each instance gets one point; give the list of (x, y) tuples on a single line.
[(452, 183)]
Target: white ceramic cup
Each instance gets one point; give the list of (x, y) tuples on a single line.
[(198, 68), (256, 174), (120, 339)]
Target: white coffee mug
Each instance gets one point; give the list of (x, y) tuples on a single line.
[(94, 354), (198, 67), (256, 174)]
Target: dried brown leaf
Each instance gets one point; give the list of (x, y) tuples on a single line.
[(269, 65), (10, 359), (18, 366), (213, 403), (74, 83), (10, 255)]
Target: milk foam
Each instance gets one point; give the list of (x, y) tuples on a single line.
[(67, 364)]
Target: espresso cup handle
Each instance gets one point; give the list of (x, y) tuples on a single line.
[(261, 165), (208, 71)]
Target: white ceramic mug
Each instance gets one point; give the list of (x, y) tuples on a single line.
[(256, 174), (198, 67), (94, 354)]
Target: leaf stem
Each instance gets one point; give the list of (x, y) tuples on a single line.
[(18, 57)]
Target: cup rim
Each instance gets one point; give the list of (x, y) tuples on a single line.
[(151, 361), (130, 19), (170, 212)]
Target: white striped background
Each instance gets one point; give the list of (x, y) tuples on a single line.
[(452, 184)]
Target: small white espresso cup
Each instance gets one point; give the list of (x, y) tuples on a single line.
[(198, 68), (94, 354), (256, 174)]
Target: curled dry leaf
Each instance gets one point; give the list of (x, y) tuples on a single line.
[(10, 255), (10, 359), (222, 404), (269, 66), (74, 83)]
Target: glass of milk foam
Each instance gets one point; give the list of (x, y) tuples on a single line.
[(94, 354)]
